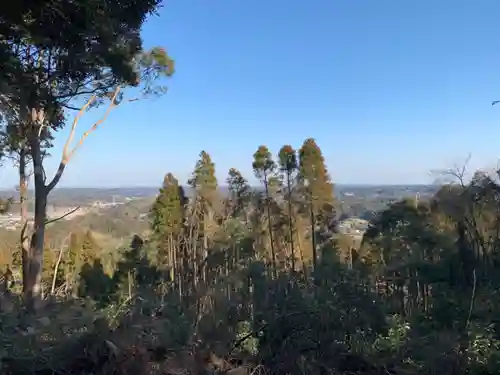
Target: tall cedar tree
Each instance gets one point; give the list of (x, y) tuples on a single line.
[(203, 179), (289, 167), (313, 176), (168, 213), (240, 191), (53, 55), (205, 185), (264, 167), (313, 171)]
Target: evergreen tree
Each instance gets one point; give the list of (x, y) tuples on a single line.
[(168, 214), (90, 247), (73, 263), (264, 168), (83, 249), (314, 174), (204, 181), (168, 210), (240, 192), (207, 200), (314, 179)]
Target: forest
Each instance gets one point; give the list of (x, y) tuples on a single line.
[(258, 281)]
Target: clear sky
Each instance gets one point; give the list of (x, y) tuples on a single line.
[(390, 89)]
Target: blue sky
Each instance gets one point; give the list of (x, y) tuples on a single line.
[(390, 90)]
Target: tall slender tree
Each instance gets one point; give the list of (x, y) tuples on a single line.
[(204, 183), (168, 213), (289, 167), (264, 168), (314, 178)]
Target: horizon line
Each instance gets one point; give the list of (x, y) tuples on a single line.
[(185, 185)]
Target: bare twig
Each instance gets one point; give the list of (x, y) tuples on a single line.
[(56, 267), (472, 299), (456, 174), (63, 216)]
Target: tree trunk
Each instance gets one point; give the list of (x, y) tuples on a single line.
[(313, 238), (33, 289), (301, 253), (290, 220), (270, 227), (205, 248), (23, 195), (37, 242), (171, 258)]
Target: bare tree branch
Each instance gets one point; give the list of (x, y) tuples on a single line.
[(56, 267), (111, 106), (455, 174), (66, 154), (63, 216)]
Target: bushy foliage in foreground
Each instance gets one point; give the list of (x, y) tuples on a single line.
[(332, 323)]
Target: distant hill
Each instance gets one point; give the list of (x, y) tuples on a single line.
[(117, 224), (355, 200), (68, 195), (112, 226), (87, 196), (119, 221)]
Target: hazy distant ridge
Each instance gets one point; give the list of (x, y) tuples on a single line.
[(149, 191)]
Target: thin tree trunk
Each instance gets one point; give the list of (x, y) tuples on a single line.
[(290, 221), (196, 261), (178, 267), (313, 237), (270, 227), (171, 261), (206, 217), (301, 253), (56, 267), (226, 274), (23, 195)]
